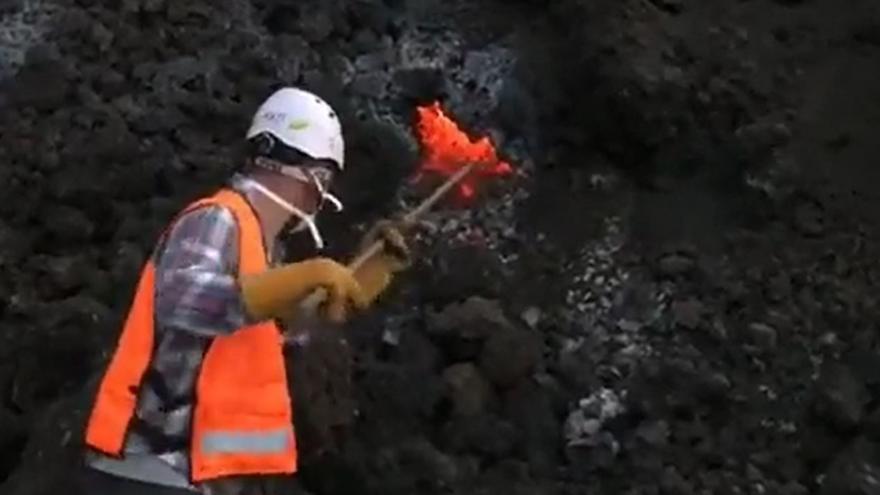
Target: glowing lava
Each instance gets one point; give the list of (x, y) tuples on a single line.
[(446, 148)]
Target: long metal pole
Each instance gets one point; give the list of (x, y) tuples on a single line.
[(310, 304)]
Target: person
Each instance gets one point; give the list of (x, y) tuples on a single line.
[(195, 398)]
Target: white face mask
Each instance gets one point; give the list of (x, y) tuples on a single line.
[(307, 220)]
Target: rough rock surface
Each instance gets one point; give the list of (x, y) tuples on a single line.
[(675, 293)]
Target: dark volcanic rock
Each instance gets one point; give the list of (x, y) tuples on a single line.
[(856, 471), (485, 435), (321, 378), (463, 328), (688, 313), (68, 225), (676, 264), (531, 407), (840, 397), (463, 271), (429, 467), (13, 435), (809, 218), (420, 85), (763, 335), (510, 355), (467, 389), (43, 84)]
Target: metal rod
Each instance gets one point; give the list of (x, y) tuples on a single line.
[(310, 304), (413, 215)]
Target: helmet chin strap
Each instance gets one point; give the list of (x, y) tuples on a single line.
[(307, 221)]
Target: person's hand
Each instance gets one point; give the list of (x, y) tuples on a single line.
[(394, 246), (273, 294), (375, 273), (343, 291)]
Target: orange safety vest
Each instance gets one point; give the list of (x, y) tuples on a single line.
[(242, 423)]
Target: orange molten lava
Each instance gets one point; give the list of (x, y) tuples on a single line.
[(446, 149)]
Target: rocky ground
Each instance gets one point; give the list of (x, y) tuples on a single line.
[(672, 296)]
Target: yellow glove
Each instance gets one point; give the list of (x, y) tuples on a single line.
[(275, 293), (375, 274)]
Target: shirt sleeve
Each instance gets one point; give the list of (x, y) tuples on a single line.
[(197, 289)]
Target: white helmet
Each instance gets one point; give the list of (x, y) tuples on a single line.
[(303, 121)]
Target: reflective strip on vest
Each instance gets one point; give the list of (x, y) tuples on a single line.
[(229, 442)]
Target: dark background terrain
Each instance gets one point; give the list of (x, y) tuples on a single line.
[(675, 295)]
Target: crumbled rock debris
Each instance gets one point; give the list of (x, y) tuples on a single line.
[(22, 27)]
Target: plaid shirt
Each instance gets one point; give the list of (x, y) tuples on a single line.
[(196, 298)]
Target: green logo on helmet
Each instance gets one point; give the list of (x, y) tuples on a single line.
[(298, 125)]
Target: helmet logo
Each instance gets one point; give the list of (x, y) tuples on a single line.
[(273, 116), (298, 124)]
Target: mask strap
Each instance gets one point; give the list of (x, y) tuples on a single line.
[(310, 223), (333, 199), (325, 195)]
